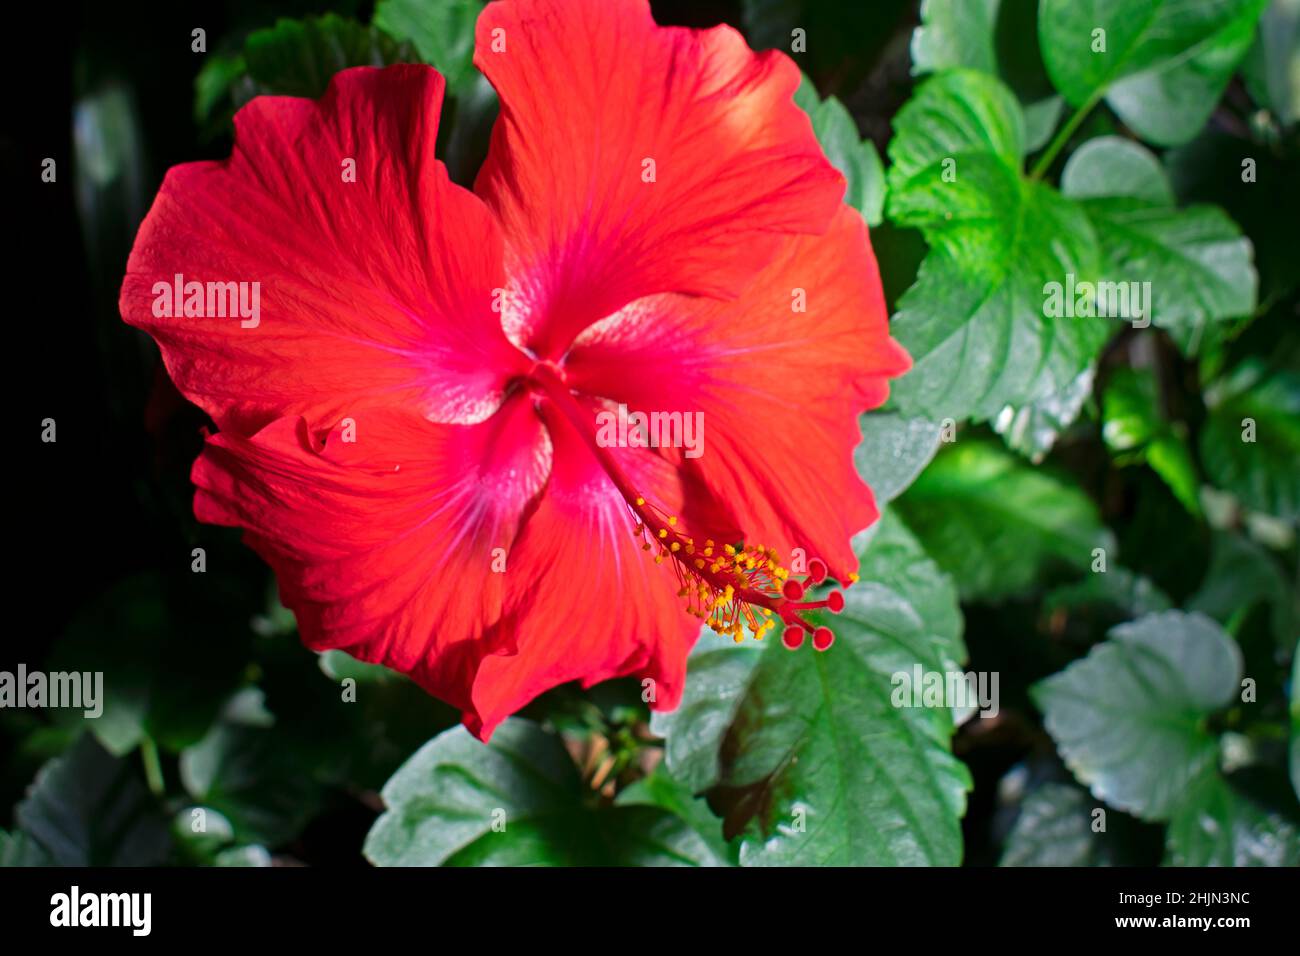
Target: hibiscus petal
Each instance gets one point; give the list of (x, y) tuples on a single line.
[(590, 91), (384, 545), (375, 291), (779, 389), (582, 599)]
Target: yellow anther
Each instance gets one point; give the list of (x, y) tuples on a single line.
[(663, 532), (640, 501), (676, 546), (672, 520)]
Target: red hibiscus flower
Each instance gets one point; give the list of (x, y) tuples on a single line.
[(408, 376)]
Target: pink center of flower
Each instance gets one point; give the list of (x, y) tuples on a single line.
[(731, 587)]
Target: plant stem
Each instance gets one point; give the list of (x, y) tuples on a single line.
[(152, 767), (1063, 136)]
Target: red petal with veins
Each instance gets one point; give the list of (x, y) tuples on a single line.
[(383, 546), (590, 91), (377, 291), (582, 598), (780, 390)]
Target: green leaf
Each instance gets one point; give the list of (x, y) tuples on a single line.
[(958, 113), (215, 83), (1164, 65), (253, 775), (1214, 825), (444, 801), (894, 450), (340, 666), (1171, 459), (976, 322), (89, 808), (662, 790), (1130, 718), (1054, 828), (1110, 166), (141, 636), (292, 58), (442, 32), (1131, 594), (256, 856), (19, 849), (201, 833), (997, 525), (785, 738), (717, 687), (1199, 266), (298, 57), (353, 736), (1251, 441), (847, 151), (1211, 169), (1241, 576), (988, 35), (1134, 430), (1130, 410), (1272, 67), (956, 33), (1033, 429)]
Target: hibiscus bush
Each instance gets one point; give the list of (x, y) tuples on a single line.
[(986, 552)]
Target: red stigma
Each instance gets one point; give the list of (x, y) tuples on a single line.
[(823, 638), (817, 570)]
